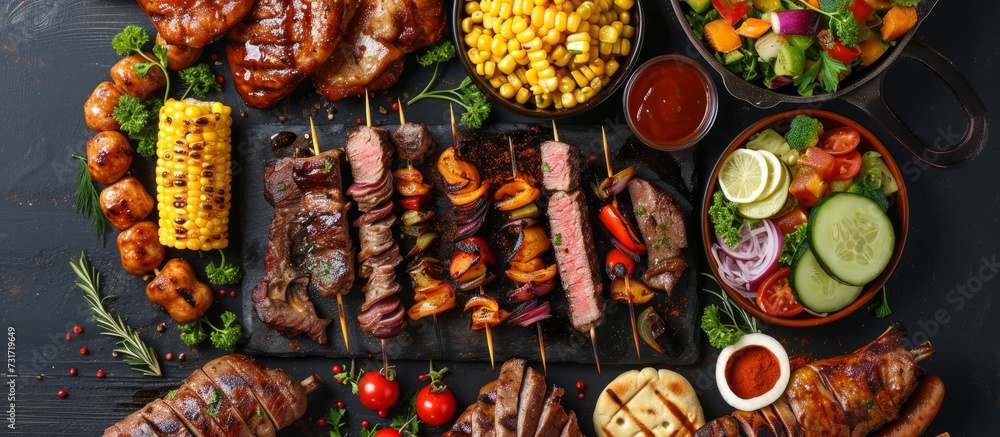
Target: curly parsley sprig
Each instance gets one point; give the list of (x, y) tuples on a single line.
[(131, 40), (722, 334), (225, 273), (224, 338), (139, 356)]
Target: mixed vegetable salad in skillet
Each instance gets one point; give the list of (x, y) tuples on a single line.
[(800, 45), (800, 218)]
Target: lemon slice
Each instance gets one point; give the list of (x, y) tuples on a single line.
[(771, 205), (775, 171), (743, 176)]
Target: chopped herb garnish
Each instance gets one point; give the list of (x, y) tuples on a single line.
[(545, 167), (282, 186), (665, 241), (640, 211), (260, 412), (327, 166), (558, 240), (170, 396)]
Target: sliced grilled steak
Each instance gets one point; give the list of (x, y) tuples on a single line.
[(530, 403), (135, 425), (369, 152), (240, 396), (662, 227), (508, 391), (575, 257), (413, 141), (219, 407), (463, 425), (560, 166), (483, 423), (281, 42), (572, 428), (553, 417)]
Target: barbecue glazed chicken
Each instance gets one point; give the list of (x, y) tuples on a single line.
[(282, 42), (849, 395), (230, 396), (194, 23), (372, 53)]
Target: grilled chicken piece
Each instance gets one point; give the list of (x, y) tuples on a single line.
[(139, 248), (663, 231), (125, 202), (109, 156), (194, 23), (178, 57), (281, 42), (851, 395), (280, 299), (191, 409), (381, 33), (283, 399), (132, 426)]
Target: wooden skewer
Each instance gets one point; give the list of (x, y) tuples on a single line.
[(340, 296), (541, 339), (368, 110), (614, 201), (555, 132), (489, 335), (402, 118), (454, 128)]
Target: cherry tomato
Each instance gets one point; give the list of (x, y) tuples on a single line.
[(775, 296), (788, 222), (840, 141), (846, 166), (413, 203), (617, 264), (387, 432), (435, 408), (377, 393)]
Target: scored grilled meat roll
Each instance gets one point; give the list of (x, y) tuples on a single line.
[(231, 396), (281, 42), (370, 154), (850, 395)]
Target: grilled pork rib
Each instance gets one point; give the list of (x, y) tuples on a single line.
[(850, 395)]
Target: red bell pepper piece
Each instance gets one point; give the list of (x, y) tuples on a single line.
[(837, 49), (413, 203), (617, 264), (861, 10), (788, 222), (818, 160), (731, 10), (808, 187), (621, 229)]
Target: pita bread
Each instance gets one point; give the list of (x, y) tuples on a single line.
[(638, 403)]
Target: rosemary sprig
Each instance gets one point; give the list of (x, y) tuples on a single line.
[(721, 334), (87, 202), (139, 356)]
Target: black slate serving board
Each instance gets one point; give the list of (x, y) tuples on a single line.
[(450, 337)]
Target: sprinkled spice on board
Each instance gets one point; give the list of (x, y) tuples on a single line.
[(752, 371)]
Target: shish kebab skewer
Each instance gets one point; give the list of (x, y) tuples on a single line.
[(567, 211)]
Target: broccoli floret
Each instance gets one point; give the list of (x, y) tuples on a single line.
[(872, 190), (804, 132)]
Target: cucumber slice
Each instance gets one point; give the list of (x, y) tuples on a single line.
[(852, 238), (814, 288)]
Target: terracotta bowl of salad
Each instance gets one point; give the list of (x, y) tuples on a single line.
[(805, 217)]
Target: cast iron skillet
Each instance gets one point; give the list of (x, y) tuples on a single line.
[(862, 90)]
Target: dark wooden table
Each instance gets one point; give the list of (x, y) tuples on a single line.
[(53, 53)]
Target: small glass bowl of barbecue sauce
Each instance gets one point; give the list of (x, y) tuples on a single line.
[(670, 102)]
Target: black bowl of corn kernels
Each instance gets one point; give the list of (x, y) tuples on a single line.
[(552, 60)]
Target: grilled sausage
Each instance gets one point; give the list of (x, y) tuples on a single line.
[(99, 108), (179, 292), (178, 57), (919, 411), (109, 156), (124, 75), (140, 249), (126, 202)]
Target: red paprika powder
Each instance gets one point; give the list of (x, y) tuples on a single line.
[(752, 371)]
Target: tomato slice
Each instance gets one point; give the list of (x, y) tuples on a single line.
[(775, 296), (846, 166), (840, 141), (788, 222)]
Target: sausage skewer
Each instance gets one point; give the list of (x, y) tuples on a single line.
[(614, 202), (340, 296), (591, 264)]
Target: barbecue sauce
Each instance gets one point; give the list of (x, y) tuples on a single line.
[(667, 102)]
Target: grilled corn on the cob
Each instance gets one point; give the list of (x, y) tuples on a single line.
[(193, 174)]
